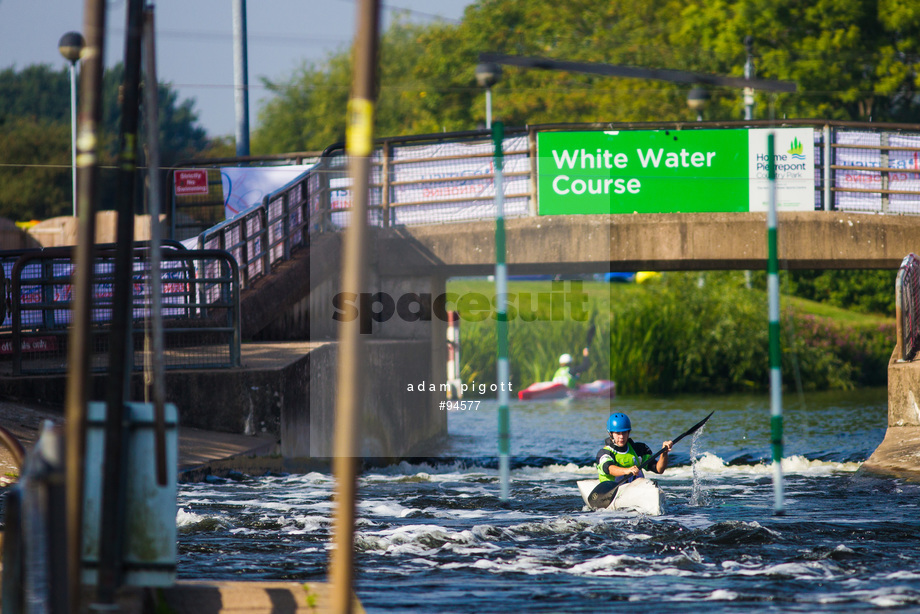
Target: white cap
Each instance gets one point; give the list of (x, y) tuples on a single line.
[(565, 359)]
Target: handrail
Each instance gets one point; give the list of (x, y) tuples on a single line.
[(200, 304)]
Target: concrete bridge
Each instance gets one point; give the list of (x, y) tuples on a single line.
[(659, 242)]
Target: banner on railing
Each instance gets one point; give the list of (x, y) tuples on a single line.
[(673, 171), (867, 152), (246, 186), (445, 182)]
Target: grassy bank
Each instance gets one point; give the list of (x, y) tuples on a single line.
[(675, 335)]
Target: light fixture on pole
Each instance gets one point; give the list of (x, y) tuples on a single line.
[(71, 47), (697, 100), (487, 75)]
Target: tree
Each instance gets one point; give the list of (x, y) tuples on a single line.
[(851, 61), (307, 112), (35, 175), (180, 135), (35, 155), (36, 92)]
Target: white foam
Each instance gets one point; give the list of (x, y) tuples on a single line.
[(187, 519), (611, 564), (722, 595), (386, 508), (711, 465)]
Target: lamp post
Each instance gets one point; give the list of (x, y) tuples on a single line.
[(71, 47), (487, 75), (697, 100), (749, 74)]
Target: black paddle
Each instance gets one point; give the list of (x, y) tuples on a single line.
[(603, 493)]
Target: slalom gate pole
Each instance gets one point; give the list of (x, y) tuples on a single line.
[(501, 295), (776, 381)]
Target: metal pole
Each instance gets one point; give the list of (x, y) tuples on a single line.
[(79, 347), (501, 295), (121, 343), (776, 380), (152, 118), (359, 146), (749, 75), (241, 77), (488, 108), (73, 131)]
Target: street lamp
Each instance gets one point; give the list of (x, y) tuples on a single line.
[(71, 47), (487, 75), (697, 100)]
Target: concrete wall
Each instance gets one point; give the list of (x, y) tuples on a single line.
[(903, 392), (899, 453), (231, 401), (396, 422)]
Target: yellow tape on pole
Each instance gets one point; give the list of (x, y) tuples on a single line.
[(360, 129)]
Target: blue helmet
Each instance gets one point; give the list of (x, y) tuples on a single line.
[(618, 422)]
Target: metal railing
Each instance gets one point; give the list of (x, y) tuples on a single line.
[(264, 234), (200, 309), (445, 178), (907, 306), (8, 259), (442, 178)]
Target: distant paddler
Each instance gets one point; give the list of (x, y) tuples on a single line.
[(568, 375)]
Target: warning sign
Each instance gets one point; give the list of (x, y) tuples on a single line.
[(191, 182)]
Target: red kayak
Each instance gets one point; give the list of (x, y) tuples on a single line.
[(555, 390)]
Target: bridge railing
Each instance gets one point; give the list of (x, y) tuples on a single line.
[(265, 234), (430, 179), (449, 177), (200, 308), (907, 305)]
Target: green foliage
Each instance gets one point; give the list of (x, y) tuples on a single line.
[(35, 147), (180, 135), (678, 336), (35, 169), (850, 60), (860, 291), (308, 112), (36, 92)]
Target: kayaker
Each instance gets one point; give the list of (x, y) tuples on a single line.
[(566, 373), (622, 456)]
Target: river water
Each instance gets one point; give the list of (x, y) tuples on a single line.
[(433, 535)]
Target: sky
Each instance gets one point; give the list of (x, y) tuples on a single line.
[(195, 42)]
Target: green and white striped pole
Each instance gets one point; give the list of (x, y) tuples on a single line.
[(776, 381), (501, 308)]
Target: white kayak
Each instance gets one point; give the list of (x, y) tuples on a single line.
[(641, 495)]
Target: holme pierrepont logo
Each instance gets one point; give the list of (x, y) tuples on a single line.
[(796, 149), (557, 305)]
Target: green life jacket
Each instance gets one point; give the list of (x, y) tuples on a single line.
[(629, 458), (563, 376)]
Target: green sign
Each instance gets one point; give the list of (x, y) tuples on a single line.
[(668, 171)]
